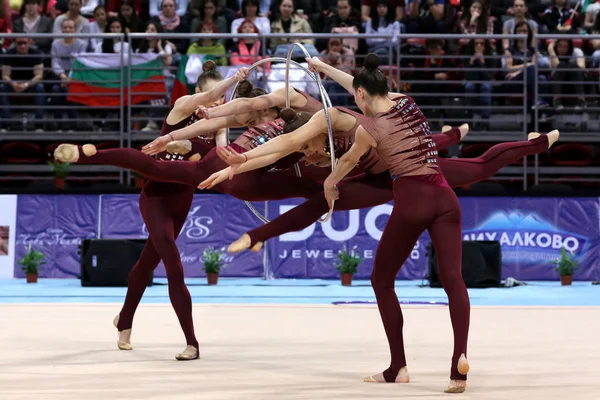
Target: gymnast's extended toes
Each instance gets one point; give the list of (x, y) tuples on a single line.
[(66, 153), (243, 243), (456, 386), (188, 354), (402, 377), (124, 341)]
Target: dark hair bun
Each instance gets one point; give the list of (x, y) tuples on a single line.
[(371, 61), (288, 114), (209, 65), (244, 88)]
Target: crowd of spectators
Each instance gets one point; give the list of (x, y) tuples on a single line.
[(26, 63)]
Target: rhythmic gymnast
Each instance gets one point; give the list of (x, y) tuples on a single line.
[(164, 208), (370, 189), (399, 133), (252, 107)]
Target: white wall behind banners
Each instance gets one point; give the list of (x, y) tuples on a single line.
[(8, 228)]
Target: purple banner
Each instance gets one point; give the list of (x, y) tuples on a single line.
[(55, 225), (213, 220), (532, 232)]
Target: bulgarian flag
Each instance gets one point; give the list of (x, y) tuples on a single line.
[(96, 79), (181, 87)]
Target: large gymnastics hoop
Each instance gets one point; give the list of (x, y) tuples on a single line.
[(326, 105)]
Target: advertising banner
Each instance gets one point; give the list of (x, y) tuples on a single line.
[(55, 225), (532, 232), (213, 221), (8, 228)]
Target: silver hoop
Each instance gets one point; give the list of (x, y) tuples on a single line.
[(326, 105)]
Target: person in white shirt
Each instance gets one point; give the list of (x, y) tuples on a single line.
[(112, 45), (250, 11), (82, 25), (98, 26)]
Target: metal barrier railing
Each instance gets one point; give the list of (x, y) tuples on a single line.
[(403, 68)]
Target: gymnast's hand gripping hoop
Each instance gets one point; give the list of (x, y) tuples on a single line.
[(326, 105)]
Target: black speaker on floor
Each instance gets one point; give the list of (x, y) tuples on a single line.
[(107, 262), (481, 264)]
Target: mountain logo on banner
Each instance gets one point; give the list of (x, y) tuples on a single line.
[(526, 236), (196, 227)]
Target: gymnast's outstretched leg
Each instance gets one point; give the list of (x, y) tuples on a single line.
[(466, 171), (184, 172)]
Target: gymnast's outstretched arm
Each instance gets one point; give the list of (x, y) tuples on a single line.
[(228, 173), (199, 128), (347, 162)]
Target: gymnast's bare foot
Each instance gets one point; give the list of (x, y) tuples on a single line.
[(124, 341), (70, 152), (189, 353), (179, 147), (456, 386), (402, 377), (552, 136), (243, 243)]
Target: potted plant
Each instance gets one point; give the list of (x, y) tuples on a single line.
[(565, 266), (30, 264), (347, 264), (61, 170), (213, 261)]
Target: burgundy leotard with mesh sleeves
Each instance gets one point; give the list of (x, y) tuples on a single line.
[(404, 141)]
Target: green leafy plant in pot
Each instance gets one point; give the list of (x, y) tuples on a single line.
[(566, 266), (347, 264), (213, 262), (61, 171), (30, 264)]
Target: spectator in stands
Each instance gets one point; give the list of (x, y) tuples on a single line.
[(522, 57), (383, 21), (478, 76), (569, 69), (113, 45), (225, 8), (211, 48), (556, 18), (164, 49), (98, 26), (172, 23), (341, 58), (88, 7), (156, 8), (314, 11), (246, 51), (343, 19), (22, 72), (5, 22), (250, 12), (141, 8), (288, 22), (426, 16), (49, 8), (33, 22), (397, 7), (590, 15), (435, 72), (208, 12), (520, 15), (476, 19), (82, 25), (129, 18), (264, 6), (595, 30), (63, 54)]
